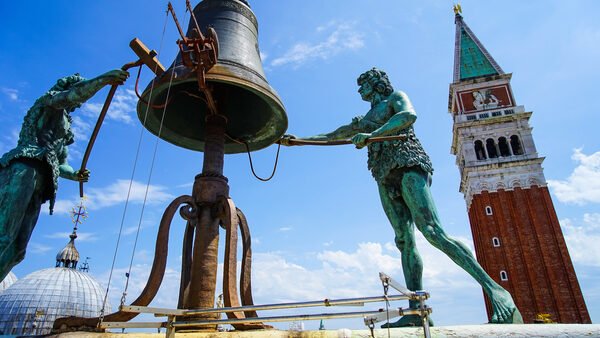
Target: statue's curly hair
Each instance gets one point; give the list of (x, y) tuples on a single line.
[(29, 131), (66, 82), (378, 79)]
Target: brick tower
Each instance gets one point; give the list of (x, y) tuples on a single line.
[(517, 237)]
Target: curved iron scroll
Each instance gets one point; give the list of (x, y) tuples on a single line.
[(154, 280), (186, 261), (246, 274), (231, 219)]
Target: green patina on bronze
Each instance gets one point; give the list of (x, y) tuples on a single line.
[(473, 63), (403, 173), (29, 172)]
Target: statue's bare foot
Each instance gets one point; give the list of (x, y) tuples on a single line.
[(505, 310), (408, 320)]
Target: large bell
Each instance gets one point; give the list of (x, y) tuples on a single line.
[(254, 112)]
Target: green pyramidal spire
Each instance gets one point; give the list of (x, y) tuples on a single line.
[(471, 59)]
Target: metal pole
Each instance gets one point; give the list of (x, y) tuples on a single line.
[(325, 302), (375, 316), (414, 295), (284, 318)]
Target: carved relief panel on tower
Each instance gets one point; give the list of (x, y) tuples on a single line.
[(479, 99)]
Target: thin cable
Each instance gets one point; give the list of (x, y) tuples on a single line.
[(387, 304), (130, 185), (387, 312), (252, 164), (146, 194), (147, 186)]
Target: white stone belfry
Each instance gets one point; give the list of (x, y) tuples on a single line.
[(493, 143)]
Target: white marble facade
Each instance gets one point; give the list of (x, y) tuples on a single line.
[(494, 148)]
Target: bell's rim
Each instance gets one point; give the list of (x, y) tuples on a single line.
[(218, 74)]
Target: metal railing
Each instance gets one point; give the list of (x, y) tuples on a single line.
[(176, 318)]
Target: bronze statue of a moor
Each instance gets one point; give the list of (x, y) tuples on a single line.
[(29, 172), (403, 173)]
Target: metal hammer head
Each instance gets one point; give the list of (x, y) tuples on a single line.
[(148, 57)]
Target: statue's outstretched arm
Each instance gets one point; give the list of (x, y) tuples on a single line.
[(343, 132), (84, 90), (340, 133)]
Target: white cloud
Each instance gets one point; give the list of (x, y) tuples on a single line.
[(122, 106), (336, 274), (62, 206), (185, 185), (11, 93), (81, 129), (263, 56), (583, 185), (166, 297), (582, 240), (14, 135), (285, 229), (9, 140), (131, 230), (341, 274), (355, 273), (81, 236), (116, 193), (38, 248), (85, 118), (343, 37)]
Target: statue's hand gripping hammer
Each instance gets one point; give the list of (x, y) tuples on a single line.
[(146, 57)]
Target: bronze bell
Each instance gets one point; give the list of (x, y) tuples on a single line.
[(254, 112)]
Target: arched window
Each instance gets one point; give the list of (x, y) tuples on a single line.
[(490, 146), (495, 242), (504, 148), (488, 210), (515, 144), (503, 275), (479, 152)]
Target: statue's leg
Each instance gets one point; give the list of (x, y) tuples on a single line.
[(29, 221), (412, 265), (400, 219), (20, 201), (417, 195)]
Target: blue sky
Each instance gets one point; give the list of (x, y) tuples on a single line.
[(318, 228)]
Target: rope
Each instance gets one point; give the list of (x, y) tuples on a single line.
[(101, 317), (250, 159)]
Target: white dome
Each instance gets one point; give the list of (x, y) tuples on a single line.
[(32, 303), (9, 280)]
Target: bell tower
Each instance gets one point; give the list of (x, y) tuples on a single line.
[(517, 237)]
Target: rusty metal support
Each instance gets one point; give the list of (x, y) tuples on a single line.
[(246, 273), (208, 208)]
